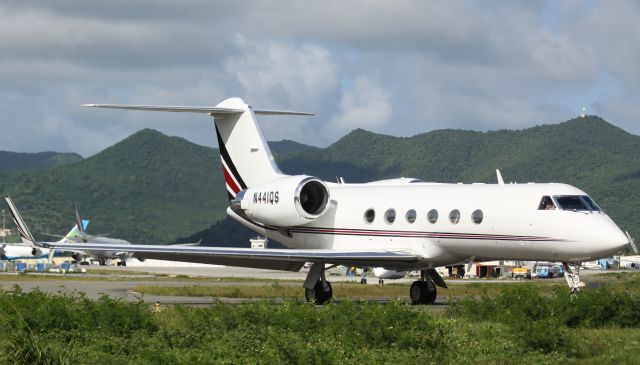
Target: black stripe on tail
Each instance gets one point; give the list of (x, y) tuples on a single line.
[(227, 159)]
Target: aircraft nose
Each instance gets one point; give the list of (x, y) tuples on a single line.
[(617, 240)]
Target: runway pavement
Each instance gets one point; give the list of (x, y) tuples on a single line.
[(121, 282)]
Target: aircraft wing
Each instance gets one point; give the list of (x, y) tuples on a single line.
[(274, 259)]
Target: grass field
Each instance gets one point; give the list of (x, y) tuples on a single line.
[(519, 324), (522, 323), (267, 289)]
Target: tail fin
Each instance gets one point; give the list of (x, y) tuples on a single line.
[(246, 158), (79, 221), (74, 232), (26, 235), (244, 153)]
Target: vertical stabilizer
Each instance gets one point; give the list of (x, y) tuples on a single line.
[(245, 154), (74, 232), (26, 235)]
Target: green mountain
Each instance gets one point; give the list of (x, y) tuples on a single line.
[(14, 161), (146, 188), (150, 188)]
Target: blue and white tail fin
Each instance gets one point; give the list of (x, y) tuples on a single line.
[(246, 158), (25, 234), (74, 232)]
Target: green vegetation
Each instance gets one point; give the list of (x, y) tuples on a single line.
[(151, 188), (14, 161), (519, 325)]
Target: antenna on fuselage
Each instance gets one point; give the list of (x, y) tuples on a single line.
[(499, 176)]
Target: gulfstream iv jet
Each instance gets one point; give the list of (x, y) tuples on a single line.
[(400, 224)]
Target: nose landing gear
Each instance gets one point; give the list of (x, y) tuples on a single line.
[(573, 278)]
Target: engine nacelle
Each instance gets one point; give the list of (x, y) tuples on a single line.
[(36, 252), (288, 201)]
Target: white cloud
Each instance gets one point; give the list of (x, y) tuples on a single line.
[(400, 67), (366, 106)]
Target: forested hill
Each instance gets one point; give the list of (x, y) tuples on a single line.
[(148, 188), (151, 188), (586, 152), (14, 161)]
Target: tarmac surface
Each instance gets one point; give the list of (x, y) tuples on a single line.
[(120, 282)]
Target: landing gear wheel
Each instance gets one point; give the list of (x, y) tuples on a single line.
[(423, 292), (320, 294), (363, 281), (380, 282)]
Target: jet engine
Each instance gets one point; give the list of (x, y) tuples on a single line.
[(36, 252), (287, 201)]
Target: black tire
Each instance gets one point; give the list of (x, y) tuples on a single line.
[(320, 294), (423, 292), (309, 295), (123, 263), (432, 292), (417, 292)]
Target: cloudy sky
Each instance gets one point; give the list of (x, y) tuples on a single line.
[(397, 67)]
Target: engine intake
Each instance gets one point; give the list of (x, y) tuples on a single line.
[(287, 201)]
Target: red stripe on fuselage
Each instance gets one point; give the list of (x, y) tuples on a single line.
[(229, 180)]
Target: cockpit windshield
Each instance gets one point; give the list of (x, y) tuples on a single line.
[(577, 203)]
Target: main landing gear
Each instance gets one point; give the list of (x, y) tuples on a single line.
[(424, 291), (317, 288)]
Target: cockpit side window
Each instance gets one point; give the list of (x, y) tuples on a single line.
[(546, 203), (591, 203)]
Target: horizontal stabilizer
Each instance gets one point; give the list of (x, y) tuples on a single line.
[(193, 109)]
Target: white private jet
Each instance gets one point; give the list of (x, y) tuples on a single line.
[(401, 224)]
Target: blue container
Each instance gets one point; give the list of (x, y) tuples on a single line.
[(40, 267), (21, 267), (66, 266)]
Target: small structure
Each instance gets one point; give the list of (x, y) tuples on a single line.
[(259, 242)]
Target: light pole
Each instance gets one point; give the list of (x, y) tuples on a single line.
[(4, 228)]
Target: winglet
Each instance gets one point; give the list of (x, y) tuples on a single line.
[(499, 176)]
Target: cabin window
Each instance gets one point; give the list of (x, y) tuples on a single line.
[(432, 216), (369, 216), (575, 203), (390, 216), (546, 203), (454, 216), (477, 216), (411, 216)]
